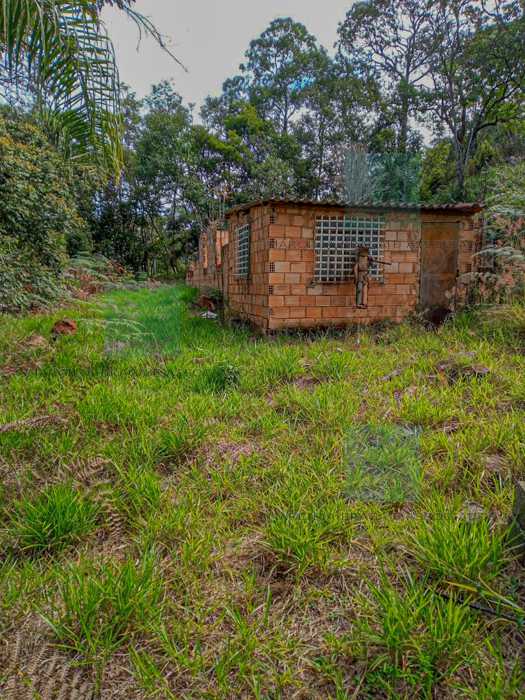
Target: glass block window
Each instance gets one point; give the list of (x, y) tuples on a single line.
[(337, 239), (242, 251)]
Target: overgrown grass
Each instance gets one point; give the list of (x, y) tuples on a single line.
[(221, 515)]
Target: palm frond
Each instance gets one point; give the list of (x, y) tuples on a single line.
[(60, 51)]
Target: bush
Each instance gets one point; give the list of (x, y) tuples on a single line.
[(25, 282), (38, 214)]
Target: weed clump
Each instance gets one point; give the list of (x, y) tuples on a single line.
[(452, 546), (100, 608), (220, 378), (417, 639), (57, 517)]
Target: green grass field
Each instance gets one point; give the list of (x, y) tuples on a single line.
[(196, 512)]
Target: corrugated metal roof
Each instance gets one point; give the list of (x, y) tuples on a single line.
[(458, 207)]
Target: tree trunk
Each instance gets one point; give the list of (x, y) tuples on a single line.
[(461, 161), (403, 124), (285, 118), (321, 161)]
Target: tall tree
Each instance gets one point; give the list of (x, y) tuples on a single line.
[(281, 64), (336, 112), (389, 40), (478, 76), (250, 157), (172, 196)]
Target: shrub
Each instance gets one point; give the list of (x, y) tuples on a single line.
[(38, 214), (57, 517), (24, 281)]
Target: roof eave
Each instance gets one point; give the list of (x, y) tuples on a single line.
[(458, 207)]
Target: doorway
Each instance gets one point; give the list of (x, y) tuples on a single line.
[(439, 260)]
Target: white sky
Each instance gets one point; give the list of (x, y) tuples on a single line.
[(209, 37)]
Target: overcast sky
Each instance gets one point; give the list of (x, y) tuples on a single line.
[(209, 37)]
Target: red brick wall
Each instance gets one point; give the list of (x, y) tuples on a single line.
[(206, 272), (298, 301), (281, 290), (248, 298)]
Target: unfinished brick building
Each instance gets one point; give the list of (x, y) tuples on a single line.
[(283, 263)]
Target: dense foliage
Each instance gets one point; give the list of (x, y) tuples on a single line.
[(39, 217), (430, 93), (57, 56)]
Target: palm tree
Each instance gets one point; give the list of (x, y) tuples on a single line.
[(59, 51)]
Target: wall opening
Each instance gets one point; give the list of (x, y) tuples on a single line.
[(337, 241), (242, 251)]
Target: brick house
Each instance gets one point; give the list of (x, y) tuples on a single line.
[(285, 263)]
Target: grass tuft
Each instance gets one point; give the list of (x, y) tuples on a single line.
[(301, 540), (384, 463), (220, 378), (175, 445), (452, 546), (57, 517), (140, 493), (415, 639), (99, 609)]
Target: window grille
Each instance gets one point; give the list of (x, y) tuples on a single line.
[(337, 239), (242, 250)]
